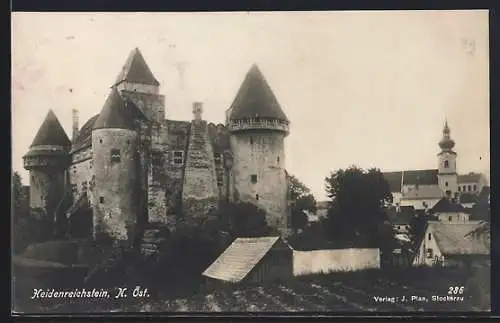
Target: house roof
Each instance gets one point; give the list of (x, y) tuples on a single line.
[(402, 217), (51, 133), (256, 99), (118, 113), (424, 192), (469, 178), (236, 262), (84, 136), (454, 238), (468, 198), (411, 177), (136, 70), (445, 205)]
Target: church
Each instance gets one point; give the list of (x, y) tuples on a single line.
[(129, 165), (423, 189)]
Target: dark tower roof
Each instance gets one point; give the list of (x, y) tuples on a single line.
[(136, 70), (446, 143), (118, 113), (51, 133), (256, 99)]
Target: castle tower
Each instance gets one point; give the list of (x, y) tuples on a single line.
[(258, 129), (447, 164), (116, 166), (137, 82), (47, 161)]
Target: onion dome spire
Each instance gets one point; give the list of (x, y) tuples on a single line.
[(446, 143)]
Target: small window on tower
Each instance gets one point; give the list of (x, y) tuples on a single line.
[(474, 187), (450, 218), (468, 188), (251, 140), (446, 164), (253, 178), (115, 155), (459, 188), (91, 163), (100, 141), (446, 184), (429, 236), (257, 197), (101, 199), (178, 157), (278, 159), (74, 188)]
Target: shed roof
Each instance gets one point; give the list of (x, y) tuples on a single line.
[(454, 238), (236, 262)]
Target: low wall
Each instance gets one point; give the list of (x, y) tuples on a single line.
[(334, 260)]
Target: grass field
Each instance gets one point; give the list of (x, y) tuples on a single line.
[(346, 292)]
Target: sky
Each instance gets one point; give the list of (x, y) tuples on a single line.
[(366, 88)]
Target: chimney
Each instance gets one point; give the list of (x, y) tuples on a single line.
[(75, 123), (197, 110)]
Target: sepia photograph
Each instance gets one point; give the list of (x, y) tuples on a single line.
[(250, 162)]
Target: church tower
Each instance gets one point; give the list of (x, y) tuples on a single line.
[(47, 161), (116, 166), (258, 128), (447, 164), (137, 83)]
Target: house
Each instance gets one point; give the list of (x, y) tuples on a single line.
[(251, 260), (447, 210), (468, 200), (400, 220), (452, 245)]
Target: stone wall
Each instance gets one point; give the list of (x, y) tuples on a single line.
[(259, 173), (81, 172), (151, 104), (46, 189), (200, 193), (116, 182)]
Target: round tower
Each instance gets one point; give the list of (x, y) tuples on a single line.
[(115, 160), (258, 128), (47, 162), (447, 164)]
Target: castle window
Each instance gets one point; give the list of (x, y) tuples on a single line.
[(474, 187), (468, 188), (101, 199), (429, 236), (100, 141), (446, 164), (257, 197), (251, 140), (278, 159), (446, 184), (450, 218), (178, 157), (459, 188), (220, 179), (115, 155), (74, 189), (91, 163), (253, 178)]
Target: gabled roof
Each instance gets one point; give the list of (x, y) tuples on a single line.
[(256, 99), (118, 113), (51, 133), (136, 70), (445, 205), (411, 177), (468, 198), (236, 262), (424, 192), (469, 178), (454, 238)]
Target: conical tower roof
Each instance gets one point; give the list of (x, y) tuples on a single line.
[(51, 133), (256, 99), (118, 113), (136, 70)]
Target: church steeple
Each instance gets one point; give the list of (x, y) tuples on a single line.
[(446, 143)]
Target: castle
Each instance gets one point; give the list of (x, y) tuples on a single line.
[(129, 165), (422, 189)]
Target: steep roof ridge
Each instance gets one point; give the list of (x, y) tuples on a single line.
[(51, 133)]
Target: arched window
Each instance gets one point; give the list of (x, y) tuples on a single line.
[(468, 188), (446, 164), (446, 184)]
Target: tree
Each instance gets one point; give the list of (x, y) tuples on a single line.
[(301, 200), (357, 213), (244, 219)]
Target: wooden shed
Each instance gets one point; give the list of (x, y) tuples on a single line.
[(252, 260)]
